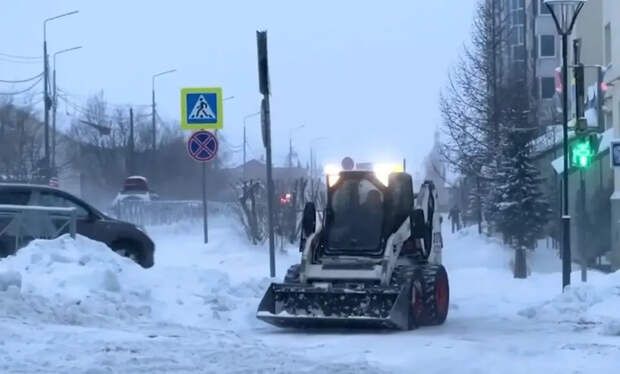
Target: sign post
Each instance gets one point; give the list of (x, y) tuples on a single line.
[(201, 108), (205, 216), (202, 146)]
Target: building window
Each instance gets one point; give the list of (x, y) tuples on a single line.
[(518, 53), (517, 4), (608, 44), (547, 46), (547, 87), (543, 10), (518, 18), (515, 36)]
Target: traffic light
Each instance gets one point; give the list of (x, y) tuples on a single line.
[(579, 89), (583, 150), (601, 89)]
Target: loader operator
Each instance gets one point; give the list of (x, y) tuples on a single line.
[(357, 226), (372, 211)]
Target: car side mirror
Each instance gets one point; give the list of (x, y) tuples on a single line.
[(308, 221)]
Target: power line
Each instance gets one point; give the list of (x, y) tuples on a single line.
[(21, 57), (74, 106), (19, 61), (22, 80), (82, 96), (22, 91)]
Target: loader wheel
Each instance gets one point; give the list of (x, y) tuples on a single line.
[(416, 304), (436, 295), (292, 274)]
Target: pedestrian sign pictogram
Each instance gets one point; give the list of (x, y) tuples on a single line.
[(201, 108), (202, 146)]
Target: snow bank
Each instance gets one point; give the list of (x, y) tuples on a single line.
[(586, 305), (71, 282), (83, 282)]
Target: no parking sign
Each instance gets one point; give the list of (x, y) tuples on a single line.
[(202, 146)]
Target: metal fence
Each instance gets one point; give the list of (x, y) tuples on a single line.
[(24, 223), (163, 212)]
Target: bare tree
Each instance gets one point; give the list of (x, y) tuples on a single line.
[(471, 105), (21, 143)]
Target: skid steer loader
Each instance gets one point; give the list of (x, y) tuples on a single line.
[(373, 261)]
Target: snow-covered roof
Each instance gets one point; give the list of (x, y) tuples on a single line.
[(551, 138), (137, 177), (607, 136)]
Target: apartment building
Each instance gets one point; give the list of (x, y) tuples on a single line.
[(534, 50), (609, 34)]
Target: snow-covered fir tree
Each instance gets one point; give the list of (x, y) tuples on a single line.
[(522, 208)]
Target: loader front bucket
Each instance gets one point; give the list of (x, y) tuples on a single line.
[(305, 306)]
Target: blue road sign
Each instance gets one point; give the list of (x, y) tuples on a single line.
[(615, 153), (201, 108), (202, 146)]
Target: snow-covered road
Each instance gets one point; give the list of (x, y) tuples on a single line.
[(75, 307)]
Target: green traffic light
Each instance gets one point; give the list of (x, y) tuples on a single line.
[(582, 153)]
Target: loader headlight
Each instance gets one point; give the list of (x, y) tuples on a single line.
[(332, 171), (383, 171)]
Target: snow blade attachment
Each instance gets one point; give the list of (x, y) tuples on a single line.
[(307, 306)]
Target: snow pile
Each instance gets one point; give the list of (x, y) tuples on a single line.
[(70, 282), (82, 282), (592, 304)]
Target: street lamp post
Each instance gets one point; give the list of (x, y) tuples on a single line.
[(312, 154), (290, 144), (565, 13), (154, 131), (244, 138), (46, 98), (55, 103)]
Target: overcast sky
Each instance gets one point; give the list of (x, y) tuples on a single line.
[(364, 74)]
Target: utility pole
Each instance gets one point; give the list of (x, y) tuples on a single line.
[(263, 78), (153, 128), (153, 110), (290, 152), (245, 139), (311, 165), (131, 144), (46, 97), (244, 156), (46, 107), (290, 145), (55, 104)]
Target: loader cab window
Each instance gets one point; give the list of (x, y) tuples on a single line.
[(356, 217)]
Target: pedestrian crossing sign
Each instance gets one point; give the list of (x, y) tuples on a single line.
[(201, 108)]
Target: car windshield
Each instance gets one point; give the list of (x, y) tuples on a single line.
[(356, 217)]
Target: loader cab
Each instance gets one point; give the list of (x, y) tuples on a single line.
[(362, 212)]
